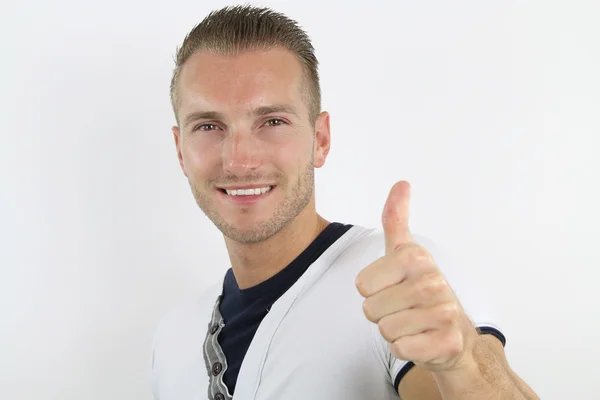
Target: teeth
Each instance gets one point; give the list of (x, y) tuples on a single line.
[(248, 192)]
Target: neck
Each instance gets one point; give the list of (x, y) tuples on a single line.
[(256, 262)]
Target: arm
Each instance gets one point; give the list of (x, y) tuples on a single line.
[(489, 377)]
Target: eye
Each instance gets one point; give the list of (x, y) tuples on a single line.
[(206, 127), (275, 122)]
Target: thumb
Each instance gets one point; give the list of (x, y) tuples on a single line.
[(395, 217)]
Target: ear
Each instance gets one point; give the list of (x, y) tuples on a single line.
[(177, 137), (322, 139)]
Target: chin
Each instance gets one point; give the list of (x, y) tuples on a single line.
[(249, 230), (248, 236)]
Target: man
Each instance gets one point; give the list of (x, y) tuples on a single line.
[(310, 309)]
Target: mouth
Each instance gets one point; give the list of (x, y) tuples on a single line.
[(246, 196), (243, 192)]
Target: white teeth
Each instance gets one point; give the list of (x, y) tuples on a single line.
[(248, 192)]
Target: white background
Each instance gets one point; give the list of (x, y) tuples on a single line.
[(490, 109)]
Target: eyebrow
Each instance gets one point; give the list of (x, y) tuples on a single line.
[(258, 112)]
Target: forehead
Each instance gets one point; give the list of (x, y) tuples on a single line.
[(245, 80)]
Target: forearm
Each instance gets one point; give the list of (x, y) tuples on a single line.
[(487, 378)]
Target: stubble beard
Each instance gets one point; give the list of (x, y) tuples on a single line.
[(296, 199)]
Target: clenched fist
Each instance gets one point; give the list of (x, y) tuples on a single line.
[(407, 296)]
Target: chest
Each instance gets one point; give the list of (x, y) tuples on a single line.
[(316, 353), (321, 348)]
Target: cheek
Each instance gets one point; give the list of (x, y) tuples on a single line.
[(295, 152), (289, 159), (200, 159)]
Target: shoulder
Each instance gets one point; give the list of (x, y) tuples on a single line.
[(361, 246), (369, 244)]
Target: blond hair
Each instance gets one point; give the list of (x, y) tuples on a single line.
[(235, 29)]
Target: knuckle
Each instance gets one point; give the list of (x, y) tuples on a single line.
[(398, 350), (360, 285), (386, 329), (430, 284), (369, 311), (417, 254), (448, 313), (363, 283)]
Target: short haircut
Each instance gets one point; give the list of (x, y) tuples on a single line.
[(235, 29)]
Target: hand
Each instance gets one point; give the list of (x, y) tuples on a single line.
[(407, 296)]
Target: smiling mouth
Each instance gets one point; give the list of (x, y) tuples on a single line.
[(247, 192)]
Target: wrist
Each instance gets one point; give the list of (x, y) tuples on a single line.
[(474, 374), (465, 373)]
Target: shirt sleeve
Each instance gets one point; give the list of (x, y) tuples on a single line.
[(471, 295)]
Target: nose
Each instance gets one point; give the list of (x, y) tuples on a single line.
[(241, 153)]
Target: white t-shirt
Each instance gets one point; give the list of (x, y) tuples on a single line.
[(314, 343)]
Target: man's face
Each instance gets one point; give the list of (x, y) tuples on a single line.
[(245, 140)]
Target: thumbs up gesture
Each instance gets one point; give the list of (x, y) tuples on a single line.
[(409, 299)]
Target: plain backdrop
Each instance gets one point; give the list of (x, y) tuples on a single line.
[(490, 109)]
